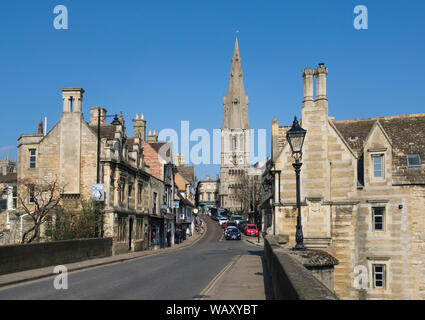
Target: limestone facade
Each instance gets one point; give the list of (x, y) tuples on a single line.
[(68, 154), (362, 194), (207, 194)]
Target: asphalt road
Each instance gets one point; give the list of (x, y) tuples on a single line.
[(177, 275)]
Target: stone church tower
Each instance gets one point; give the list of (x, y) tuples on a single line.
[(235, 135)]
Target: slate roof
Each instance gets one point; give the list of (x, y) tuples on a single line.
[(106, 131), (407, 135), (188, 173), (9, 178), (157, 146)]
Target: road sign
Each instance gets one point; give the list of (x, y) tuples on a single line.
[(98, 192)]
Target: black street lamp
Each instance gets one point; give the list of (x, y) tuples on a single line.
[(295, 137)]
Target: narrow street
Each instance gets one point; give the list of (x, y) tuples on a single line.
[(184, 274)]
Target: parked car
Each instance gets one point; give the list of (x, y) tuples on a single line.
[(251, 230), (242, 225), (222, 219), (229, 224), (237, 218), (232, 233)]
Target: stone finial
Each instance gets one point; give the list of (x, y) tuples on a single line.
[(137, 116), (142, 116), (150, 132)]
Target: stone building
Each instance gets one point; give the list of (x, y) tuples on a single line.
[(158, 156), (8, 198), (186, 182), (68, 154), (235, 134), (362, 194), (207, 194)]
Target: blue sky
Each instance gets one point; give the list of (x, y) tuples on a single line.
[(171, 60)]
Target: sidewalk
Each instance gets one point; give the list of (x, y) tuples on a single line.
[(35, 274), (245, 278), (254, 240)]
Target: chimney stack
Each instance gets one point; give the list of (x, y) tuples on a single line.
[(72, 99), (308, 75), (321, 73), (94, 114), (139, 126), (152, 137)]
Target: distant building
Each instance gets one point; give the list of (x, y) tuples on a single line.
[(235, 134), (8, 197), (207, 194), (362, 196)]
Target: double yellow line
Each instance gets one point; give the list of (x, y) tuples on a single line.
[(214, 281)]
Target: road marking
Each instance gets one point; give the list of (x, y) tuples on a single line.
[(216, 278)]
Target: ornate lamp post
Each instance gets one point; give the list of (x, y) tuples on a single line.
[(295, 137)]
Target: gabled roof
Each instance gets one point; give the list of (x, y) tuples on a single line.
[(406, 135), (188, 173)]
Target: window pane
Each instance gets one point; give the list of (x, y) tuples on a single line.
[(378, 218), (414, 161), (377, 166), (379, 275)]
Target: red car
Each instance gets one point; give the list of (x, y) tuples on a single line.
[(251, 230)]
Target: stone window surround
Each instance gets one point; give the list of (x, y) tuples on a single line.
[(386, 262), (378, 204), (32, 159), (376, 152)]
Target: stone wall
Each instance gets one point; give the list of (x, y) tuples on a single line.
[(18, 258), (290, 279)]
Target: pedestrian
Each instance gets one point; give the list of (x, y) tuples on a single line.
[(169, 237)]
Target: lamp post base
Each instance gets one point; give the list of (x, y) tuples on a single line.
[(299, 247)]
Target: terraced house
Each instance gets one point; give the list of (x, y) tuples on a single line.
[(362, 194), (69, 155)]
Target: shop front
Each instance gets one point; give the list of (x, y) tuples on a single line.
[(156, 232)]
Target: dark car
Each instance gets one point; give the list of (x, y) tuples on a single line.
[(230, 224), (232, 233), (242, 225)]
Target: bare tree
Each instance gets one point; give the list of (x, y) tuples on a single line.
[(38, 199), (247, 189)]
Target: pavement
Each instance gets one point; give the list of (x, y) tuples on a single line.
[(244, 278), (36, 274)]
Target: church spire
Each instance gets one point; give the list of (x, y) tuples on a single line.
[(236, 102)]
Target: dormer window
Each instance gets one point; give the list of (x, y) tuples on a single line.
[(414, 162)]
